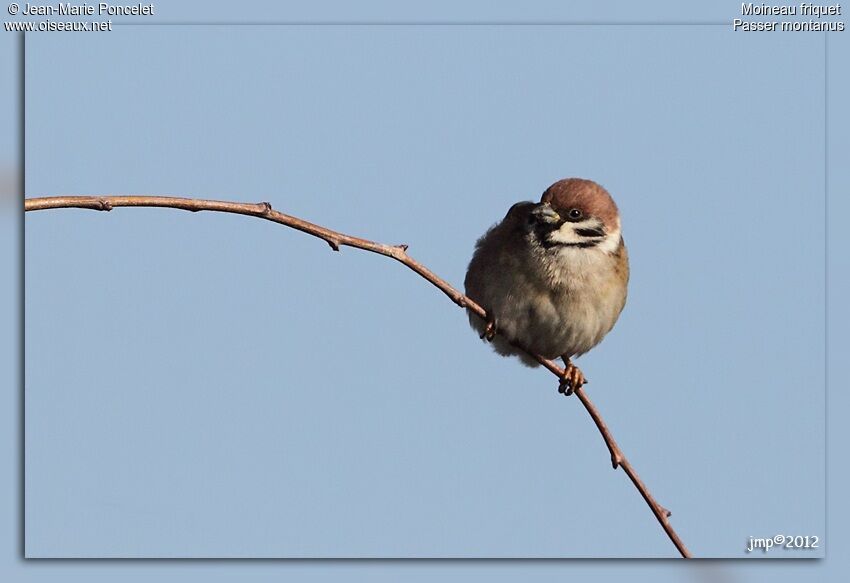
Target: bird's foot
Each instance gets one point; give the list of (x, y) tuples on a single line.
[(489, 331), (572, 380)]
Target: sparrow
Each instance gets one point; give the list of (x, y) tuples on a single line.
[(552, 276)]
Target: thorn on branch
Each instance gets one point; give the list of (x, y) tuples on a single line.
[(403, 247), (332, 242), (664, 511), (616, 460), (267, 208)]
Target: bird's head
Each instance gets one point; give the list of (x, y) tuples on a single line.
[(576, 213)]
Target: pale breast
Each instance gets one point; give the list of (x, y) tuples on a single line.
[(554, 304), (584, 299)]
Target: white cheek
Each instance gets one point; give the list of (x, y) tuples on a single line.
[(565, 234)]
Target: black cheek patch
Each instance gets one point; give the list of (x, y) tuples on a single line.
[(591, 232), (581, 245)]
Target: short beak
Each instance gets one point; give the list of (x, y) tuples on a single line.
[(544, 213)]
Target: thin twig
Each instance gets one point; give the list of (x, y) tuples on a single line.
[(336, 240)]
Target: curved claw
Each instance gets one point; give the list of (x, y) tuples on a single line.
[(489, 331), (572, 380)]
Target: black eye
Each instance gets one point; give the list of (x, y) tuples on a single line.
[(574, 214)]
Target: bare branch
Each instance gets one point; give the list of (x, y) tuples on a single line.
[(336, 240)]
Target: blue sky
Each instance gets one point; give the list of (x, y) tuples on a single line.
[(353, 387)]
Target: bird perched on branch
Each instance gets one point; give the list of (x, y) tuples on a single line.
[(552, 276)]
